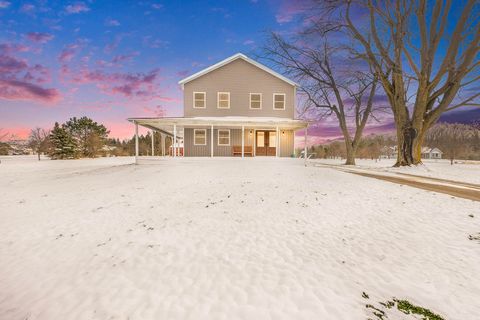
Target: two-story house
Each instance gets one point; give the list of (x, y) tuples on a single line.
[(237, 107)]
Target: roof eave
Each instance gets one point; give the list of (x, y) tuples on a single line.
[(231, 59)]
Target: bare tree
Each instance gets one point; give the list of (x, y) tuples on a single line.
[(402, 41), (329, 90), (39, 140), (452, 139)]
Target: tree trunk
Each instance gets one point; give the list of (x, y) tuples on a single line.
[(38, 153), (417, 146), (351, 152), (404, 153)]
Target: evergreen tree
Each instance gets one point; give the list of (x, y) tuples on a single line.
[(63, 146), (89, 136)]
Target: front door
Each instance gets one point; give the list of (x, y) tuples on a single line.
[(265, 143)]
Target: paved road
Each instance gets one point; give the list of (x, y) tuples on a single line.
[(455, 188)]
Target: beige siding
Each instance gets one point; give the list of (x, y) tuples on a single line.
[(240, 78), (191, 150), (286, 143)]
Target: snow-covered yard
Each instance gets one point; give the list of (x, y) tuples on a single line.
[(227, 239), (462, 170)]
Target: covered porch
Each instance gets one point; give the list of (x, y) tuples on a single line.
[(225, 136)]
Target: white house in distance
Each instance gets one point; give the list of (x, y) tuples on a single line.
[(431, 153), (236, 107)]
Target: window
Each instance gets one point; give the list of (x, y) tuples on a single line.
[(223, 137), (199, 100), (255, 101), (260, 139), (279, 101), (272, 139), (199, 137), (223, 100)]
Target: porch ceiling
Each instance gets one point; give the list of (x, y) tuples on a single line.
[(166, 124)]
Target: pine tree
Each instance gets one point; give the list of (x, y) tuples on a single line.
[(63, 146), (89, 136)]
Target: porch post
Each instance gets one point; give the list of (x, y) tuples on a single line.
[(153, 145), (254, 142), (277, 143), (164, 144), (211, 141), (305, 150), (136, 142), (243, 141), (174, 146)]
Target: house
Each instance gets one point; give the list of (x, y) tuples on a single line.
[(431, 153), (236, 107)]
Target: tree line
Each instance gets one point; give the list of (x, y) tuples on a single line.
[(355, 59), (85, 138), (455, 140), (76, 138)]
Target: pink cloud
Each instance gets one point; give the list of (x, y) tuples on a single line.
[(21, 90), (78, 7), (151, 42), (9, 64), (68, 53), (39, 37), (124, 57), (4, 4), (27, 8), (290, 9), (126, 84), (183, 73), (10, 48), (112, 23), (21, 81), (157, 111)]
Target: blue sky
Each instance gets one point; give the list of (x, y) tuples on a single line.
[(115, 59)]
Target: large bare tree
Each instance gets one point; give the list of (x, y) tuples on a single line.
[(426, 56), (330, 89)]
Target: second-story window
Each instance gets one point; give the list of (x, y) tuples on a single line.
[(255, 101), (199, 100), (223, 100), (279, 101)]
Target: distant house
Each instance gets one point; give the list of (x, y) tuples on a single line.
[(431, 153), (237, 107)]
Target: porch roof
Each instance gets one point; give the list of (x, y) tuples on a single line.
[(164, 124)]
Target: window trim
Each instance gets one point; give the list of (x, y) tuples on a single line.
[(195, 133), (218, 99), (261, 99), (205, 100), (284, 100), (218, 137)]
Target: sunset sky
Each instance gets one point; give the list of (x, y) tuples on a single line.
[(111, 60)]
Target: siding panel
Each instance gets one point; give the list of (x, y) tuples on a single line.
[(191, 150), (239, 78)]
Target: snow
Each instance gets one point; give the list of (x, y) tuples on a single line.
[(462, 170), (226, 239)]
